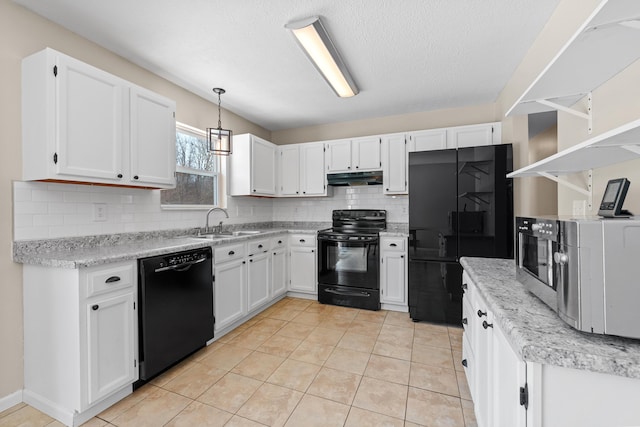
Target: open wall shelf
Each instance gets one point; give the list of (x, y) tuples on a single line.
[(604, 45)]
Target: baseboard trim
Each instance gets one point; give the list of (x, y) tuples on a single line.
[(10, 400)]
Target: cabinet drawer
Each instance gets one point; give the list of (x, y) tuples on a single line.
[(109, 278), (258, 246), (306, 240), (278, 242), (227, 253), (393, 243)]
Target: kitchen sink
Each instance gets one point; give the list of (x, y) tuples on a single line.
[(214, 236)]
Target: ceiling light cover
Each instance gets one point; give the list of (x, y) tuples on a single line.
[(219, 139), (315, 41)]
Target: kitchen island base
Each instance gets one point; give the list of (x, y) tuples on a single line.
[(526, 367)]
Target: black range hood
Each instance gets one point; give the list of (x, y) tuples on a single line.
[(354, 178)]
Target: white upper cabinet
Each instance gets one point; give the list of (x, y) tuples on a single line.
[(153, 128), (394, 164), (313, 180), (253, 167), (339, 156), (301, 170), (354, 155), (427, 140), (473, 135), (366, 153), (455, 137), (289, 168), (82, 124)]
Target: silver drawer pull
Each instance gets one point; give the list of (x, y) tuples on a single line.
[(112, 279)]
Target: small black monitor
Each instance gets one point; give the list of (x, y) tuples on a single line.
[(611, 205)]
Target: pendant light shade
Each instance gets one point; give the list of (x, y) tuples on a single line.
[(219, 139)]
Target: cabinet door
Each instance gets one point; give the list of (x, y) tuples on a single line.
[(258, 280), (89, 127), (339, 156), (290, 170), (394, 164), (263, 167), (111, 345), (393, 275), (153, 139), (303, 276), (427, 140), (470, 136), (229, 293), (366, 153), (313, 178), (509, 374), (484, 363), (278, 272)]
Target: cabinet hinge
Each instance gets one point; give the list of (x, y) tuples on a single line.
[(55, 71), (55, 158), (524, 396)]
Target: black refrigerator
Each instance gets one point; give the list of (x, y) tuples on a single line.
[(460, 204)]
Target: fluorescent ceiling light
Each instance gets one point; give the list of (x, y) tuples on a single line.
[(315, 41)]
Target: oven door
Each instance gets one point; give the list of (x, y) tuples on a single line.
[(536, 257), (352, 263), (535, 267)]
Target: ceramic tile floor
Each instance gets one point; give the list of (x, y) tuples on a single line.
[(300, 363)]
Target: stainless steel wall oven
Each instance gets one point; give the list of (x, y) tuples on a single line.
[(349, 258)]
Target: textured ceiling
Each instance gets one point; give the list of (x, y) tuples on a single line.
[(405, 55)]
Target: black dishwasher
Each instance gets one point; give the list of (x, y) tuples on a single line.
[(175, 313)]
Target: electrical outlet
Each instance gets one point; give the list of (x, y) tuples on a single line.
[(99, 211), (579, 207)]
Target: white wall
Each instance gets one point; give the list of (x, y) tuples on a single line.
[(49, 210), (358, 197)]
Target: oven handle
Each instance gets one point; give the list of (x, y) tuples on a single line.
[(348, 293), (372, 239)]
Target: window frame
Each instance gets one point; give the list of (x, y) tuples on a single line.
[(216, 174)]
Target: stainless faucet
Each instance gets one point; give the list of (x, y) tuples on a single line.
[(219, 226)]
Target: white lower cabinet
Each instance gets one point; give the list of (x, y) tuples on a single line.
[(510, 392), (247, 278), (278, 266), (230, 283), (393, 273), (80, 338), (303, 272), (494, 371), (258, 274)]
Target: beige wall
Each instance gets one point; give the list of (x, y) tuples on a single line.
[(390, 124), (614, 103), (566, 19), (23, 33)]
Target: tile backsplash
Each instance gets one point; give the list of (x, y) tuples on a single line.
[(51, 210)]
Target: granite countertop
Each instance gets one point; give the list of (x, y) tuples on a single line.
[(536, 332), (97, 250)]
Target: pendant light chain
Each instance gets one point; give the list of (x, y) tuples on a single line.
[(219, 107)]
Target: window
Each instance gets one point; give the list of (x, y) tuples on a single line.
[(196, 172)]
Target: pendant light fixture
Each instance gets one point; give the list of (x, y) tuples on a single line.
[(219, 139)]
